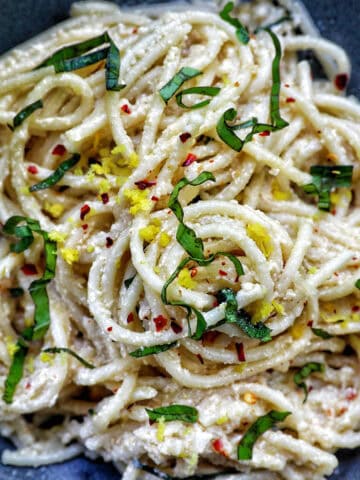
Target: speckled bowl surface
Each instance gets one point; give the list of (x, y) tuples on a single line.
[(338, 20)]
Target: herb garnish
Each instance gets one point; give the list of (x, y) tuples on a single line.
[(241, 32), (25, 113), (325, 179), (145, 351), (173, 85), (57, 175), (357, 283), (16, 292), (129, 281), (241, 317), (260, 426), (209, 91), (226, 131), (37, 291), (72, 58), (183, 413), (70, 352), (305, 371), (319, 332)]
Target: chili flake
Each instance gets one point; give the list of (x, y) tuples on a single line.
[(109, 242), (32, 169), (184, 137), (160, 323), (105, 198), (29, 269), (85, 209), (130, 317), (341, 81), (59, 150), (125, 108), (143, 184), (191, 158), (175, 327), (240, 352)]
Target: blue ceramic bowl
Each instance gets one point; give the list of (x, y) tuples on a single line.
[(21, 20)]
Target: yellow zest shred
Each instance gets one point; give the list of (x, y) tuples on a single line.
[(90, 248), (118, 150), (185, 280), (55, 209), (297, 330), (222, 420), (25, 190), (239, 368), (149, 233), (104, 186), (164, 240), (157, 270), (312, 270), (278, 308), (70, 255), (262, 312), (160, 433), (139, 201), (58, 237), (259, 234), (279, 194), (78, 171), (46, 357), (11, 346)]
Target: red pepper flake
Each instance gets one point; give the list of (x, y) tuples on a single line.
[(218, 446), (210, 337), (240, 352), (184, 137), (236, 84), (29, 269), (223, 273), (135, 30), (125, 108), (191, 158), (130, 317), (160, 323), (32, 169), (310, 323), (143, 184), (341, 81), (109, 329), (28, 385), (200, 358), (193, 272), (105, 198), (290, 100), (333, 212), (215, 303), (154, 198), (109, 242), (355, 308), (85, 226), (354, 258), (350, 394), (85, 209), (287, 85), (175, 327), (59, 150), (265, 133)]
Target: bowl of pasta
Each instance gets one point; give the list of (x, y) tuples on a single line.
[(179, 246)]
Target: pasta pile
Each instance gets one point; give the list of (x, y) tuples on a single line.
[(205, 288)]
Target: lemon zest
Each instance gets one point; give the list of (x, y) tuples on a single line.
[(70, 255), (58, 237), (55, 209), (160, 433), (139, 201), (185, 280), (164, 239), (259, 234)]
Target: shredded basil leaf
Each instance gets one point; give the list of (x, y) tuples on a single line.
[(226, 131), (16, 292), (70, 352), (241, 317), (129, 281), (182, 413), (319, 332), (55, 177), (305, 371), (173, 85), (25, 113), (15, 372), (72, 58), (260, 426), (144, 352), (209, 91), (325, 179), (357, 283), (241, 32)]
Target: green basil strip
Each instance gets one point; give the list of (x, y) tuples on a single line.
[(112, 68), (285, 18), (326, 178), (70, 352), (24, 233), (242, 318), (209, 91), (182, 413), (16, 292), (83, 61), (319, 332), (71, 51), (55, 177), (144, 352), (185, 235), (357, 283), (305, 371), (15, 372), (129, 281), (260, 426), (226, 131), (25, 113), (173, 85), (241, 32)]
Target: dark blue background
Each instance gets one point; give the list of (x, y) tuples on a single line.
[(22, 19)]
